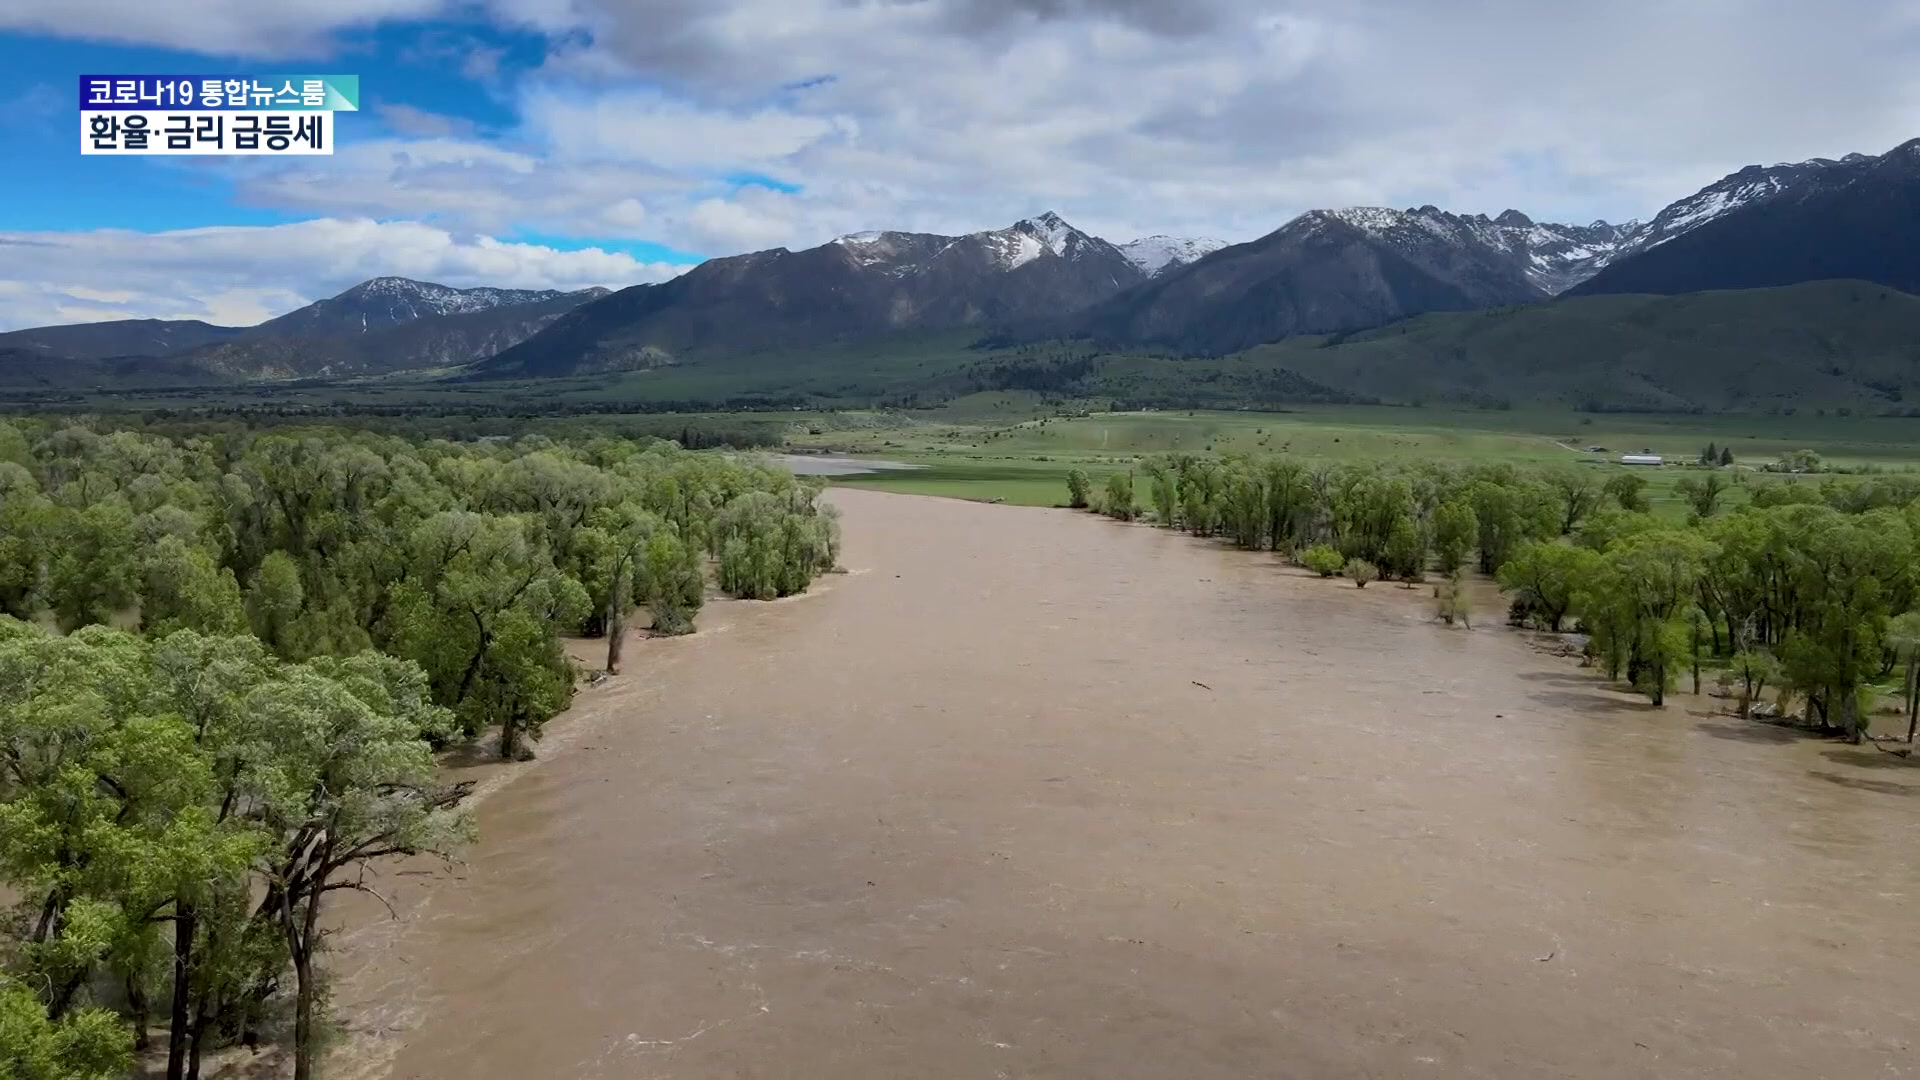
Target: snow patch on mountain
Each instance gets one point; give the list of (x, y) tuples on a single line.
[(418, 299), (1153, 254)]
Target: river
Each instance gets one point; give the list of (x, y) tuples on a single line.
[(1031, 793)]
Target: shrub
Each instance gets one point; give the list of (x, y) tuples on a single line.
[(1362, 571), (1322, 559)]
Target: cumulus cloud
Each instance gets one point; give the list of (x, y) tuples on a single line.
[(237, 275)]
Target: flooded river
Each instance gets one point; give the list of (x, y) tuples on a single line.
[(1033, 794)]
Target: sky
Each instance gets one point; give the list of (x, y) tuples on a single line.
[(568, 143)]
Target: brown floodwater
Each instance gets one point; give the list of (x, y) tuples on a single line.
[(968, 811)]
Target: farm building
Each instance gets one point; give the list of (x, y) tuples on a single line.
[(1640, 459)]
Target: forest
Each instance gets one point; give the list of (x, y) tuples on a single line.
[(1809, 591), (227, 661)]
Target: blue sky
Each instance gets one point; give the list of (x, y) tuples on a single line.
[(564, 143)]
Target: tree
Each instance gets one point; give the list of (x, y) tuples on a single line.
[(25, 521), (87, 1044), (1710, 456), (1801, 461), (476, 612), (671, 584), (1322, 559), (1755, 669), (1120, 496), (1077, 487), (1162, 488), (1609, 524), (1702, 493), (1362, 571), (1843, 570), (1628, 491), (1726, 456), (184, 588), (1545, 576), (1455, 533), (274, 600), (92, 571), (1634, 599), (1903, 636), (1451, 602), (1509, 515), (351, 781), (1577, 494), (1406, 551)]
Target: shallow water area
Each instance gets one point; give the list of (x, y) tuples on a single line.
[(1032, 793)]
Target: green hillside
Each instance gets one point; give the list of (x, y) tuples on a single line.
[(1831, 343)]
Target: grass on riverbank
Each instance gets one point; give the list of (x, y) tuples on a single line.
[(1003, 446)]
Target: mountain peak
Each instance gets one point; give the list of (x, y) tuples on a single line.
[(1157, 254), (391, 285), (1516, 219)]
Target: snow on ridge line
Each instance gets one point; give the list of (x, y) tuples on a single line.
[(1152, 254)]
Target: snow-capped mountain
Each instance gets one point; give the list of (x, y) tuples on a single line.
[(1552, 257), (1157, 254), (389, 301), (861, 285), (900, 254), (1855, 217)]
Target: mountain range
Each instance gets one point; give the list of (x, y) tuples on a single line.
[(1335, 272), (380, 326)]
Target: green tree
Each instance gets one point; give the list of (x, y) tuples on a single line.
[(351, 780), (1577, 495), (1078, 485), (1545, 576), (87, 1044), (1456, 532), (1702, 493), (1406, 552), (1628, 491), (1755, 669), (1119, 502), (92, 571), (184, 588)]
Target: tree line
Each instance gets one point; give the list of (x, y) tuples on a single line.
[(226, 662), (1809, 589)]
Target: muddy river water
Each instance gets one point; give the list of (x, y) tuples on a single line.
[(1033, 794)]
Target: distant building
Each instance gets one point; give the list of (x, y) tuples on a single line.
[(1640, 459), (1596, 449)]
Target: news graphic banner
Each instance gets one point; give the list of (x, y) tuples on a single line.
[(206, 114)]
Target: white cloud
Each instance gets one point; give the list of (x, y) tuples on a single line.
[(243, 274), (1210, 117), (222, 27)]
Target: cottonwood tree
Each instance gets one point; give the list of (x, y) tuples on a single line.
[(1702, 493), (1578, 495), (1545, 576), (1628, 491)]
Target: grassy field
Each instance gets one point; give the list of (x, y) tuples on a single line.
[(1002, 446)]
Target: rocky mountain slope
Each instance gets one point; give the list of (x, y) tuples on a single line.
[(1335, 270), (1853, 218), (861, 286)]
